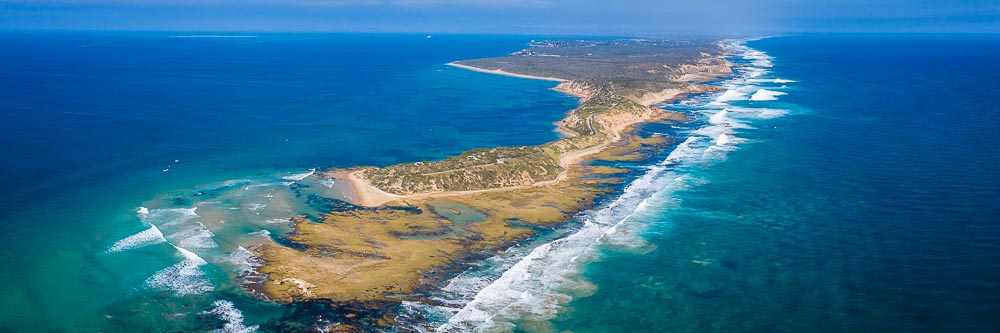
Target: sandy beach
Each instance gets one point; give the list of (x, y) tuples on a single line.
[(368, 195), (502, 72)]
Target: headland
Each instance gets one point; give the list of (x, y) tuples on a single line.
[(410, 227)]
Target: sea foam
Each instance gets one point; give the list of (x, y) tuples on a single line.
[(539, 283), (231, 317), (246, 264), (766, 95), (195, 237), (171, 216), (183, 278), (300, 176), (143, 238), (731, 95), (534, 287)]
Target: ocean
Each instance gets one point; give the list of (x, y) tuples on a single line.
[(107, 135), (862, 197), (840, 183)]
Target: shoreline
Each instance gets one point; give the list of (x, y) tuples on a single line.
[(504, 73), (411, 226), (367, 195)]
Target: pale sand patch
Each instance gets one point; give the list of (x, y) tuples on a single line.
[(305, 288), (503, 72), (651, 98), (364, 193), (370, 196)]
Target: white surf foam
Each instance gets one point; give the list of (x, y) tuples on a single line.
[(196, 237), (300, 176), (685, 151), (766, 95), (183, 278), (143, 238), (758, 58), (536, 285), (719, 117), (731, 95), (722, 139), (770, 113), (171, 216), (757, 113), (142, 211), (231, 316), (278, 220), (754, 72), (246, 264), (776, 81)]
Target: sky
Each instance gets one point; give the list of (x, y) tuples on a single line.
[(582, 17)]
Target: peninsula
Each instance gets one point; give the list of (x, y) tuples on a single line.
[(410, 227)]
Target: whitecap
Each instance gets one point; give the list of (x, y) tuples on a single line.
[(771, 113), (277, 220), (246, 263), (231, 317), (183, 278), (195, 237), (143, 238), (720, 117), (300, 176), (528, 290), (534, 287), (766, 95), (686, 150), (722, 139), (171, 216), (731, 95)]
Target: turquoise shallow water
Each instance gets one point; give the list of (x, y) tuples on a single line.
[(90, 121)]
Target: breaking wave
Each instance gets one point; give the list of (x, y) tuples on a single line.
[(766, 95), (535, 284), (183, 278), (246, 264), (300, 176), (196, 237), (143, 238), (231, 317), (153, 235)]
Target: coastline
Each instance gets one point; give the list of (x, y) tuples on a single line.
[(411, 227), (367, 195), (505, 73)]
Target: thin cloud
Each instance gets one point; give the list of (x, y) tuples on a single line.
[(344, 3), (431, 3)]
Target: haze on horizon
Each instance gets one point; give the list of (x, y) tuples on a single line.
[(584, 17)]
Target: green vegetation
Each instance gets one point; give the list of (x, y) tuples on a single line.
[(615, 79)]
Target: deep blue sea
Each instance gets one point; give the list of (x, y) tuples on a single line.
[(842, 183)]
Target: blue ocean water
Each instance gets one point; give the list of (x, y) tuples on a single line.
[(842, 183), (94, 126), (866, 199)]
